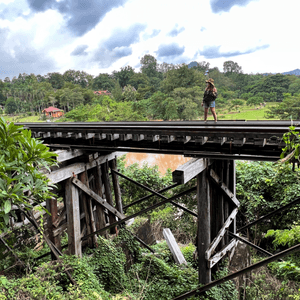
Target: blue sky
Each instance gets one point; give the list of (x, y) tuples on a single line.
[(100, 36)]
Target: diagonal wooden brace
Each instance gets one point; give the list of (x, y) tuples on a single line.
[(97, 198), (224, 187), (220, 234)]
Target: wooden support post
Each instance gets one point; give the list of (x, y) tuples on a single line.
[(203, 199), (51, 205), (100, 216), (84, 200), (115, 180), (232, 187), (73, 217), (108, 195), (226, 204)]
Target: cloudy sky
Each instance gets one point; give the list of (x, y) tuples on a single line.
[(100, 36)]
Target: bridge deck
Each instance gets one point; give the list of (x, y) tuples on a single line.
[(253, 140)]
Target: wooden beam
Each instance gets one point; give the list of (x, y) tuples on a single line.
[(125, 137), (113, 136), (201, 140), (116, 185), (66, 172), (88, 136), (189, 170), (108, 194), (173, 246), (224, 188), (83, 178), (73, 216), (218, 256), (64, 155), (204, 224), (138, 137), (215, 242), (187, 138), (100, 216), (97, 198)]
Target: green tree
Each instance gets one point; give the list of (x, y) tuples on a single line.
[(294, 87), (129, 93), (288, 109), (56, 80), (78, 77), (104, 82), (10, 106), (149, 65), (22, 157), (231, 67), (255, 100), (182, 77), (117, 92), (124, 75)]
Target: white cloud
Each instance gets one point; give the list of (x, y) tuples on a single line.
[(267, 28)]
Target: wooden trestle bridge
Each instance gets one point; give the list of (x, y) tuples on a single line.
[(87, 154)]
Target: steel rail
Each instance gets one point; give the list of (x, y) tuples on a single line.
[(171, 123), (276, 211), (208, 286)]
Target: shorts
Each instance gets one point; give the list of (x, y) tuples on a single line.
[(211, 104)]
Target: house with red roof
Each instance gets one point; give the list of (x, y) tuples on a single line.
[(102, 92), (53, 112)]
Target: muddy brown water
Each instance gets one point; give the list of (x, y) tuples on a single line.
[(164, 161)]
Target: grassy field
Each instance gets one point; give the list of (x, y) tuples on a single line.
[(246, 113), (17, 119)]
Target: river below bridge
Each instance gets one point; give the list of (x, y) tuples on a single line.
[(164, 161)]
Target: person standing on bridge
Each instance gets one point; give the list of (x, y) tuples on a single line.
[(210, 95)]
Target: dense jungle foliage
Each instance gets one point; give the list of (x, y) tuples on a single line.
[(159, 91)]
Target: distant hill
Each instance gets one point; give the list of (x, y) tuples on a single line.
[(294, 72), (192, 64)]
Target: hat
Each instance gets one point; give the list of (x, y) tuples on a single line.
[(210, 80)]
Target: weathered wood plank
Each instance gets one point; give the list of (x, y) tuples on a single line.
[(189, 170), (52, 208), (223, 186), (138, 137), (83, 178), (64, 155), (116, 185), (173, 246), (187, 139), (99, 200), (201, 140), (218, 256), (108, 194), (66, 172), (100, 216), (125, 137), (88, 135), (204, 224), (60, 218), (113, 136), (73, 215), (220, 235)]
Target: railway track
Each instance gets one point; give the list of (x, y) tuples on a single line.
[(254, 140)]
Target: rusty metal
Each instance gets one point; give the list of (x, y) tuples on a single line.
[(155, 193), (206, 287), (144, 211), (149, 196), (269, 215)]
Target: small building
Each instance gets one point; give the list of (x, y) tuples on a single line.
[(102, 93), (53, 112)]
